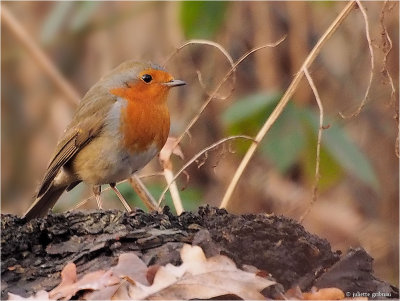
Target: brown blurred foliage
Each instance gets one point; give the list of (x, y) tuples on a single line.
[(85, 40)]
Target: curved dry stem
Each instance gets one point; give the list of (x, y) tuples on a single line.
[(143, 193), (40, 57), (176, 198), (387, 47), (227, 75), (221, 49), (150, 175), (217, 96), (197, 156), (372, 62), (320, 129), (80, 204), (201, 42), (284, 100)]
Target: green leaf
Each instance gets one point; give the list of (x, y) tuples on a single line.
[(255, 107), (344, 150), (284, 142), (246, 115), (286, 139), (202, 19)]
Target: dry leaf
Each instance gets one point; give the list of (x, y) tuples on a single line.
[(106, 293), (196, 278), (68, 274), (68, 278), (92, 281), (201, 278), (121, 294), (40, 295), (324, 294), (131, 266), (151, 273), (168, 150), (294, 293)]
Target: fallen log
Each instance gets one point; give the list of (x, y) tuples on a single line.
[(35, 252)]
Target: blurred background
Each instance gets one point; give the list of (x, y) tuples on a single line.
[(358, 197)]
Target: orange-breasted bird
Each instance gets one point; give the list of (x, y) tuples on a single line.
[(120, 125)]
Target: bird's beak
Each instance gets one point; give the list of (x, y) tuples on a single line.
[(175, 83)]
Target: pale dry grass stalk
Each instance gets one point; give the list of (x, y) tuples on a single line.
[(39, 56), (284, 100), (387, 48), (143, 193), (372, 62), (196, 157), (168, 173), (320, 129), (214, 95), (151, 175), (121, 198), (173, 189), (167, 165)]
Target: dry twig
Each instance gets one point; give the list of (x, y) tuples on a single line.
[(220, 48), (387, 47), (143, 193), (284, 100), (318, 159), (41, 58), (372, 62), (227, 75), (166, 163), (176, 199), (196, 157)]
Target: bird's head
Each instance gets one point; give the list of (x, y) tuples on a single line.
[(140, 82)]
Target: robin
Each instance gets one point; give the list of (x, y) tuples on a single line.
[(120, 125)]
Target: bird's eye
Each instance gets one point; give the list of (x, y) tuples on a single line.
[(147, 78)]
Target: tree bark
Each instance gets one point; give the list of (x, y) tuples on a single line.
[(34, 253)]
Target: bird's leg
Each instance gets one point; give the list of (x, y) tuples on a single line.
[(121, 197), (97, 192)]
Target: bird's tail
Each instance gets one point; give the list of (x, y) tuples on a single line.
[(44, 202)]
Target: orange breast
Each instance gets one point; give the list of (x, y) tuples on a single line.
[(144, 126), (145, 120)]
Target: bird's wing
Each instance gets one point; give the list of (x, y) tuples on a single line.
[(84, 127)]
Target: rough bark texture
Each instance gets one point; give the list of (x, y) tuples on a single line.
[(34, 253)]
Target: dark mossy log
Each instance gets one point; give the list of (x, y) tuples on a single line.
[(34, 252)]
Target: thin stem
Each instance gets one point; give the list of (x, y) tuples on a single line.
[(317, 160), (371, 73), (198, 155), (214, 93), (176, 198), (285, 99), (41, 58)]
